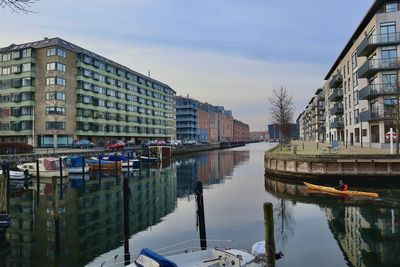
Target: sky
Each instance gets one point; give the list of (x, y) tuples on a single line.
[(229, 53)]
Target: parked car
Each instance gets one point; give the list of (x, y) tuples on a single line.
[(189, 142), (174, 142), (82, 144), (115, 145), (148, 143)]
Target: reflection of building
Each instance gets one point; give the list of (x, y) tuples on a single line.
[(210, 168), (368, 236), (90, 220)]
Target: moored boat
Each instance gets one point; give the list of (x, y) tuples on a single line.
[(104, 165), (125, 161), (48, 167), (333, 190), (210, 257), (74, 165), (15, 175)]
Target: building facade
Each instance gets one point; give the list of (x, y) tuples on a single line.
[(362, 87), (205, 123), (53, 92)]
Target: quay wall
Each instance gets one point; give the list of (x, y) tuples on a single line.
[(355, 169), (51, 152)]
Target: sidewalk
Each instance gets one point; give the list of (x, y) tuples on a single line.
[(310, 148)]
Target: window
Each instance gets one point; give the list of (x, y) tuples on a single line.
[(6, 71), (354, 61), (99, 64), (98, 89), (56, 52), (86, 86), (99, 77), (55, 96), (87, 60), (56, 66), (60, 81), (16, 55), (110, 69), (120, 72), (355, 97), (55, 111), (6, 57), (388, 32), (26, 53), (55, 125), (355, 79), (356, 117), (391, 7), (87, 73), (131, 87), (389, 52), (26, 67)]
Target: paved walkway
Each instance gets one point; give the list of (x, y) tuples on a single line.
[(311, 148)]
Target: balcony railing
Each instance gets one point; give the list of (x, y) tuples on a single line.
[(337, 94), (336, 109), (337, 124), (336, 81), (372, 66), (370, 43), (373, 90), (377, 115)]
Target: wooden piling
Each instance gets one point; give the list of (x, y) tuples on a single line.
[(269, 234), (61, 178), (37, 183), (127, 256), (200, 215)]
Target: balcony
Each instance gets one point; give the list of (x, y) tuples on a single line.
[(370, 43), (337, 109), (372, 66), (337, 124), (377, 115), (337, 94), (374, 90), (336, 81)]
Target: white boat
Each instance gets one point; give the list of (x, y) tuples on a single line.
[(48, 167), (15, 175), (210, 257)]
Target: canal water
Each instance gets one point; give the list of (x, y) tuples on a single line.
[(81, 223)]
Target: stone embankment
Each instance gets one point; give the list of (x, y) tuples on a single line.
[(333, 167)]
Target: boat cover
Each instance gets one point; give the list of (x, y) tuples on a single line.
[(149, 258)]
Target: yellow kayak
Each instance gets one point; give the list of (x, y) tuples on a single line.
[(335, 191)]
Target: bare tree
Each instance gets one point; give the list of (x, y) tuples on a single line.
[(284, 222), (281, 111), (19, 6)]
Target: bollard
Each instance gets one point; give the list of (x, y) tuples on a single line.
[(303, 145), (269, 235), (37, 183), (317, 146)]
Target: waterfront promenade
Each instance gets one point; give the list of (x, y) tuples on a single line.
[(311, 148), (321, 164)]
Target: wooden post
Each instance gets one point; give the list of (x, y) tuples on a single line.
[(200, 215), (37, 183), (128, 165), (269, 235), (61, 178), (8, 186), (116, 166), (83, 168), (127, 256), (100, 166)]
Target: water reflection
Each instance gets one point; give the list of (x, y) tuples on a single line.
[(367, 231), (87, 220)]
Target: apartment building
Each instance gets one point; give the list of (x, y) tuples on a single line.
[(53, 91), (362, 87), (203, 122), (311, 122)]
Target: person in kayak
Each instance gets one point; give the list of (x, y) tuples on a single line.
[(342, 186)]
